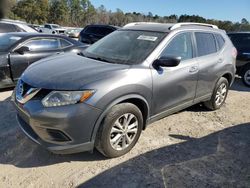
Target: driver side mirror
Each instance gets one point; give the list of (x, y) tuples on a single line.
[(22, 50), (167, 61)]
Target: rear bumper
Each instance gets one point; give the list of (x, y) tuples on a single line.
[(61, 130)]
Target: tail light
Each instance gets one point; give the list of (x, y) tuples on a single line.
[(234, 52)]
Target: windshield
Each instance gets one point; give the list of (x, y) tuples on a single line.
[(6, 41), (125, 46)]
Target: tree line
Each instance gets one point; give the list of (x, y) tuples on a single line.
[(79, 13)]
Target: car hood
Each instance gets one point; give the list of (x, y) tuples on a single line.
[(69, 72)]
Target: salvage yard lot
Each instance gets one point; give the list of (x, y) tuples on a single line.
[(195, 147)]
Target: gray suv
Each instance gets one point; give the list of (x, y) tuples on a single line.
[(105, 96)]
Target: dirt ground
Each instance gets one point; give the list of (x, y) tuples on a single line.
[(193, 148)]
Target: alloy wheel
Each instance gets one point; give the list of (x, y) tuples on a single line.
[(123, 131), (221, 94)]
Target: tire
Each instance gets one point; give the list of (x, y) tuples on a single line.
[(219, 95), (111, 144), (246, 75)]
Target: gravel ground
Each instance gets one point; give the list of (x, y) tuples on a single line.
[(193, 148)]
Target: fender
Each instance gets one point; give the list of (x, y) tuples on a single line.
[(116, 101)]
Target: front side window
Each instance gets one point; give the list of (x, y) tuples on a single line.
[(43, 44), (205, 43), (180, 46), (125, 46)]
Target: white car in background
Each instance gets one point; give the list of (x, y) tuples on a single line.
[(52, 29)]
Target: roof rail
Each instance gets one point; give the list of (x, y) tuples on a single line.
[(175, 26), (138, 23)]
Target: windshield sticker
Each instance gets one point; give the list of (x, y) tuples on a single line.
[(148, 38)]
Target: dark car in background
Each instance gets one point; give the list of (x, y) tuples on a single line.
[(241, 41), (19, 50), (7, 26), (92, 33)]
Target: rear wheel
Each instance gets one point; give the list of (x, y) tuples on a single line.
[(246, 75), (219, 95), (120, 130)]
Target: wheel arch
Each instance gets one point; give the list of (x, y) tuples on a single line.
[(135, 99), (229, 77)]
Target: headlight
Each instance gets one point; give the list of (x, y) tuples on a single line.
[(61, 98)]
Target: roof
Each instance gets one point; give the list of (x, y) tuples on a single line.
[(103, 25), (165, 27), (26, 34), (238, 32)]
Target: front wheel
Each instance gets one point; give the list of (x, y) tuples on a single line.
[(219, 95), (120, 130)]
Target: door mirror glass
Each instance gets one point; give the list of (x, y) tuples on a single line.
[(22, 50), (167, 61)]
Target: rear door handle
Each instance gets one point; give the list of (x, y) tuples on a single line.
[(220, 60), (193, 69)]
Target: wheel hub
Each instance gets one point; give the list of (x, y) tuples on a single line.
[(123, 131)]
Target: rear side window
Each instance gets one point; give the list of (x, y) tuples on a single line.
[(205, 43), (105, 31), (93, 30), (180, 46), (43, 44), (6, 28), (241, 41), (220, 41)]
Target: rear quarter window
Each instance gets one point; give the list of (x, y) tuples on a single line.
[(220, 41), (206, 43)]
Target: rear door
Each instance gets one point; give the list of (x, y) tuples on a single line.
[(209, 61), (38, 48)]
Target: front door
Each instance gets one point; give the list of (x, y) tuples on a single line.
[(174, 86)]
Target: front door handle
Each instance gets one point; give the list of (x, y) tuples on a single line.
[(193, 69)]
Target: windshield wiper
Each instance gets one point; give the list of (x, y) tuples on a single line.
[(99, 59)]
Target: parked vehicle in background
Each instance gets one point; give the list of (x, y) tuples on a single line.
[(73, 32), (19, 50), (92, 33), (241, 41), (7, 26), (52, 29), (106, 96)]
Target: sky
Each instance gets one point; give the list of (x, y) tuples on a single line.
[(232, 10)]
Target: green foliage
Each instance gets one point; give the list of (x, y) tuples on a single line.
[(82, 12)]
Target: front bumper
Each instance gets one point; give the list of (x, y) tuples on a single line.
[(61, 130)]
